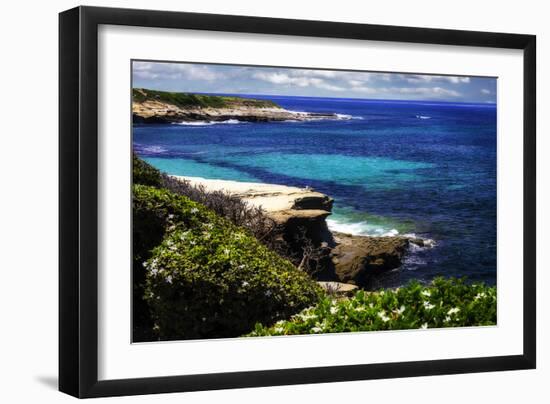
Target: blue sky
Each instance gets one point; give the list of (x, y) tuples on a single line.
[(204, 78)]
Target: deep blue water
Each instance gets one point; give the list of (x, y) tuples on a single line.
[(395, 167)]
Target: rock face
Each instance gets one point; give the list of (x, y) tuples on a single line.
[(292, 208), (356, 258), (163, 107), (351, 259)]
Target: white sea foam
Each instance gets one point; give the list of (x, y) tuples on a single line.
[(366, 229), (208, 123), (423, 117), (344, 116), (153, 149), (428, 242), (361, 229), (412, 262), (339, 117)]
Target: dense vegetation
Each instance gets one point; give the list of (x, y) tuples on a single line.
[(443, 303), (184, 100), (208, 265), (231, 207), (202, 276)]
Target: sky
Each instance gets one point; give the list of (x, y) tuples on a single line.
[(235, 79)]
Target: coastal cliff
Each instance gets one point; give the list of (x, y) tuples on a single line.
[(150, 106), (352, 259)]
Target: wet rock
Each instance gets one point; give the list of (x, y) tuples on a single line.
[(356, 258)]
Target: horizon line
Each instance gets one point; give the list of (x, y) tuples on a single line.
[(309, 96)]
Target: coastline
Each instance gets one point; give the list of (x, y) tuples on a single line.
[(276, 197), (353, 258), (156, 107)]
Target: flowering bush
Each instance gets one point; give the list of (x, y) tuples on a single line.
[(208, 278), (444, 303)]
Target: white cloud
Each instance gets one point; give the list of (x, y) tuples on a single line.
[(422, 78), (314, 73), (215, 78), (303, 80), (456, 79), (426, 91), (367, 90), (175, 71)]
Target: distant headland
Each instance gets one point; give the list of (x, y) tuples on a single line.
[(151, 106)]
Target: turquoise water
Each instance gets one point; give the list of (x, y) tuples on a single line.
[(392, 168)]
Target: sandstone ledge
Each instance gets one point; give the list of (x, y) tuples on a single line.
[(353, 258), (152, 111)]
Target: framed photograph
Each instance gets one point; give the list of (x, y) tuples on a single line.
[(251, 201)]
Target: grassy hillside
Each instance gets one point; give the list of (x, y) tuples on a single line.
[(186, 100)]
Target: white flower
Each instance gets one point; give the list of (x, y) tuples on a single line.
[(371, 305), (333, 310), (245, 284), (400, 310), (428, 305), (480, 295), (383, 316), (447, 319), (242, 266), (169, 279), (424, 326), (426, 293), (171, 216), (279, 329), (268, 293), (226, 251), (154, 271), (454, 310), (316, 329), (194, 210), (359, 308), (193, 242)]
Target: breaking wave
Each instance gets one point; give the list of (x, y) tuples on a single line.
[(208, 123)]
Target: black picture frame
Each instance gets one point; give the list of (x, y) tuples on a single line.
[(78, 201)]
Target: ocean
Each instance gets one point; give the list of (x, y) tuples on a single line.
[(392, 167)]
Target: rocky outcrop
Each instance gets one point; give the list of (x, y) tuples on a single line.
[(291, 208), (356, 258), (162, 107), (350, 259)]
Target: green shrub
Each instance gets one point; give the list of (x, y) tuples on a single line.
[(209, 278), (185, 100), (145, 174), (444, 303), (148, 228)]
